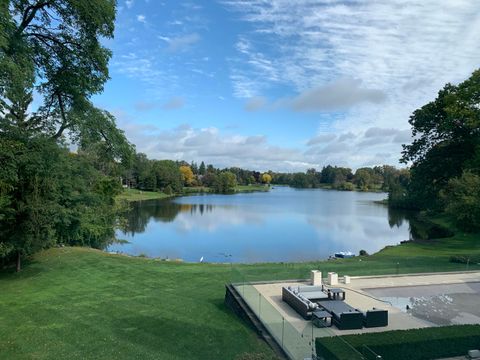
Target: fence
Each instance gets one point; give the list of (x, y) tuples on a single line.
[(296, 338)]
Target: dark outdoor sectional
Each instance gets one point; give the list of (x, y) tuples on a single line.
[(301, 298), (306, 300), (375, 318)]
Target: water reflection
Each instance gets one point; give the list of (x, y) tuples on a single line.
[(142, 212), (281, 225)]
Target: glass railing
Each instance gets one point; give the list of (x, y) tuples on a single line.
[(295, 337)]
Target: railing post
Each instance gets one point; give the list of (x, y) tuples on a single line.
[(259, 304)]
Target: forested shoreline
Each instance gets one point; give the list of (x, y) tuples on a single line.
[(173, 177), (50, 195)]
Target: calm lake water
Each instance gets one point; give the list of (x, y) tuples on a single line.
[(284, 224)]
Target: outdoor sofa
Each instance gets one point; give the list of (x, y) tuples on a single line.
[(301, 298)]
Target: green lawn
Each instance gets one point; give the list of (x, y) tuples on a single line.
[(77, 303), (248, 188), (138, 195)]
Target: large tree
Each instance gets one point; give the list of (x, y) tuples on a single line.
[(51, 51), (446, 141)]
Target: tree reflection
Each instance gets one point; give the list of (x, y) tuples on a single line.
[(142, 212)]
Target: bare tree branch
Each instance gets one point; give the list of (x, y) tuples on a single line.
[(29, 14), (64, 124)]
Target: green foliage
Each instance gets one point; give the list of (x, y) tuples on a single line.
[(54, 48), (54, 197), (168, 190), (345, 186), (167, 173), (447, 141), (415, 344), (462, 198), (48, 195), (225, 183)]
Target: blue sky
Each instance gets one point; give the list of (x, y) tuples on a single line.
[(283, 85)]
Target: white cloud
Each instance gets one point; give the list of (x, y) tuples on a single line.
[(129, 3), (180, 43), (399, 53), (255, 103), (212, 146), (321, 139), (339, 95), (256, 152), (141, 18)]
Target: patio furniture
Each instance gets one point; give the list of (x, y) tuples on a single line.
[(344, 317), (301, 298), (375, 318), (336, 294), (298, 302), (322, 318), (313, 293)]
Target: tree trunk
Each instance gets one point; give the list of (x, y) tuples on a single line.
[(19, 261)]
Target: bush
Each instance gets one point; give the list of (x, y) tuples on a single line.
[(168, 190), (415, 344), (462, 198), (363, 253), (345, 186)]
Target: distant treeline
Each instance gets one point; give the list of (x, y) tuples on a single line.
[(381, 178), (172, 176)]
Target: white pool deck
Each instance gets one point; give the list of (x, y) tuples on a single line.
[(357, 297)]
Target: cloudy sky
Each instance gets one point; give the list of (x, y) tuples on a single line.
[(280, 84)]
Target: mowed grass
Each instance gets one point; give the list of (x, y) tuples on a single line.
[(411, 257), (138, 195), (78, 303), (249, 188)]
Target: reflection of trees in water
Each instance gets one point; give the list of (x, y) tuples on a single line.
[(396, 217), (142, 212), (420, 229)]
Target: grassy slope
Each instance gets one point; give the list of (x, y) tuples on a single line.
[(138, 195), (249, 188), (74, 303), (78, 303)]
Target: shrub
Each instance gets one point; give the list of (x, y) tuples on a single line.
[(462, 198), (345, 186), (415, 344)]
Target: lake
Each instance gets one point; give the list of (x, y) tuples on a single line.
[(284, 224)]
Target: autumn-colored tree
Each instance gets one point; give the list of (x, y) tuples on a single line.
[(187, 175), (266, 178)]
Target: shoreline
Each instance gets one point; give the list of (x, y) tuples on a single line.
[(131, 195)]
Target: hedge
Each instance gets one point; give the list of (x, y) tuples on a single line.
[(415, 344)]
